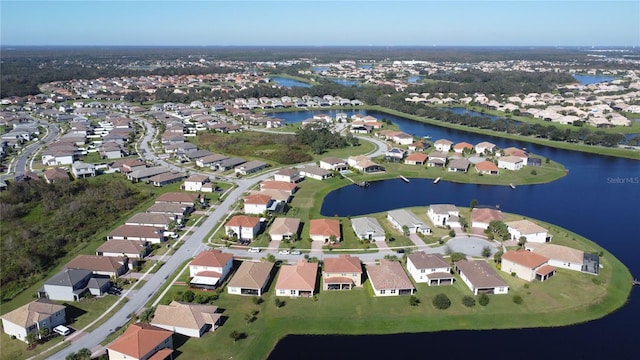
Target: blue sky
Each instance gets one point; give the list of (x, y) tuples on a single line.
[(321, 23)]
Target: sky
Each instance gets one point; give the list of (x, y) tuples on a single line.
[(320, 23)]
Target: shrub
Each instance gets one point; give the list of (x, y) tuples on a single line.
[(517, 299), (414, 301), (526, 286), (441, 301), (468, 301), (483, 299)]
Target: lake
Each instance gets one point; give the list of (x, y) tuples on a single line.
[(597, 199), (289, 83), (592, 79)]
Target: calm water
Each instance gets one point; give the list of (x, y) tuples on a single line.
[(346, 82), (592, 79), (597, 199), (289, 82), (463, 111)]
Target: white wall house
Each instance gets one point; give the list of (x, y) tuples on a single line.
[(481, 278), (510, 163), (429, 268), (401, 217), (368, 228), (32, 317), (441, 214), (530, 230)]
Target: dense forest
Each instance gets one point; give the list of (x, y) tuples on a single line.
[(43, 222)]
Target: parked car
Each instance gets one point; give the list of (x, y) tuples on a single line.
[(400, 251), (296, 252), (283, 252), (254, 250), (62, 330)]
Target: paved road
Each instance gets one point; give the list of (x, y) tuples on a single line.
[(21, 163)]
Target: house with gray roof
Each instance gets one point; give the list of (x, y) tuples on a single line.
[(81, 169), (250, 167), (368, 228), (229, 163), (429, 268), (71, 284), (401, 217), (146, 173), (480, 277)]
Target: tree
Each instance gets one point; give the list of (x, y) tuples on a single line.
[(236, 335), (44, 332), (31, 338), (497, 257), (522, 241), (83, 354), (188, 296), (405, 230), (497, 230), (279, 303), (486, 252), (457, 256), (441, 301), (468, 301), (483, 299), (414, 301), (473, 204), (517, 299)]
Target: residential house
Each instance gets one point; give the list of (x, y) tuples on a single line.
[(287, 187), (333, 164), (183, 198), (290, 175), (429, 268), (416, 158), (364, 164), (527, 265), (419, 146), (165, 178), (481, 278), (444, 215), (228, 164), (485, 147), (368, 228), (437, 159), (71, 284), (395, 154), (284, 229), (211, 160), (258, 204), (481, 217), (193, 320), (195, 182), (401, 218), (458, 165), (209, 268), (325, 230), (111, 266), (162, 221), (443, 145), (487, 168), (55, 174), (142, 342), (297, 280), (173, 209), (149, 234), (315, 172), (145, 173), (80, 169), (510, 163), (341, 273), (250, 167), (111, 150), (388, 278), (133, 249), (461, 147), (242, 227), (251, 278), (512, 151), (30, 318), (531, 231), (566, 257)]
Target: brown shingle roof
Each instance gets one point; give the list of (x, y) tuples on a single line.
[(422, 260), (252, 275), (184, 315), (388, 275), (33, 312), (278, 185), (177, 197), (136, 231), (96, 263), (122, 246), (525, 258), (480, 274), (284, 226)]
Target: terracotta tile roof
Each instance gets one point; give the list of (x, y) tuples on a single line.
[(252, 275), (243, 220), (342, 264), (184, 315), (388, 275), (258, 199), (480, 274), (525, 258), (139, 339), (485, 215), (278, 185), (324, 227), (545, 270), (463, 145), (444, 142), (301, 276), (416, 156), (486, 166), (211, 258), (422, 260), (33, 312)]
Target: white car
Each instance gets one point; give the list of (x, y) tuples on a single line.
[(283, 252), (296, 252), (254, 250)]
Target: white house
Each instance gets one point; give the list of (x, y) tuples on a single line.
[(510, 162), (80, 169), (32, 317), (388, 278), (526, 265), (559, 256), (368, 228), (297, 280), (333, 164), (444, 215), (251, 278), (257, 203), (429, 268), (284, 228), (209, 268), (443, 145), (484, 146), (402, 217), (195, 182), (290, 175), (243, 227), (531, 231), (481, 278)]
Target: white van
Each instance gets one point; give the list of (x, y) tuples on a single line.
[(62, 330)]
